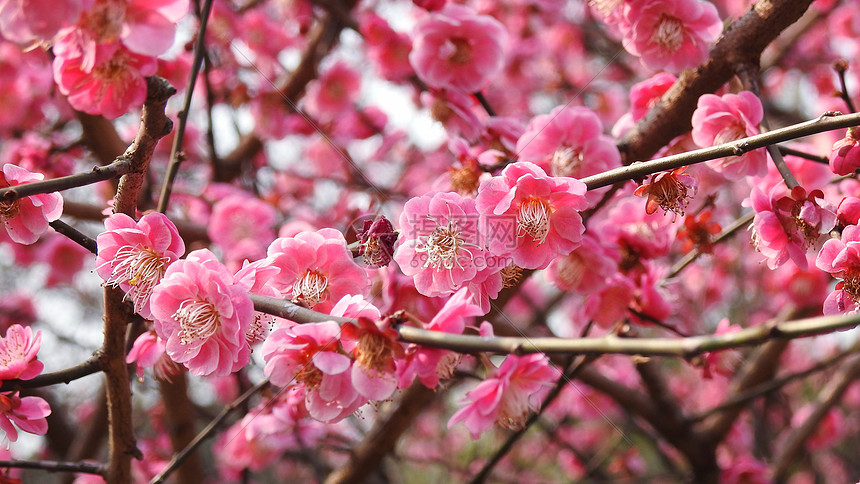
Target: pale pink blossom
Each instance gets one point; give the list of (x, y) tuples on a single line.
[(586, 268), (316, 268), (64, 257), (787, 225), (439, 242), (135, 255), (454, 110), (845, 154), (718, 120), (841, 258), (26, 219), (18, 352), (203, 315), (149, 351), (23, 21), (114, 84), (506, 396), (310, 355), (386, 48), (670, 34), (456, 48), (334, 92), (569, 142), (540, 214), (242, 225), (430, 365), (27, 414)]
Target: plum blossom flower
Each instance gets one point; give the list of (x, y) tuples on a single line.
[(310, 355), (23, 21), (18, 352), (845, 155), (26, 219), (376, 241), (316, 268), (670, 34), (569, 141), (115, 84), (438, 243), (203, 315), (646, 94), (697, 231), (504, 397), (455, 48), (241, 221), (586, 268), (135, 255), (669, 190), (149, 351), (719, 120), (430, 365), (335, 91), (785, 226), (27, 414), (542, 208), (841, 258)]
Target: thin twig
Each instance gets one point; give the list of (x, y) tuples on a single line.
[(75, 235), (207, 432), (826, 122), (55, 466), (484, 103), (840, 67), (88, 367), (176, 156), (119, 167)]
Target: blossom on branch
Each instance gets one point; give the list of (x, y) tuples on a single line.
[(845, 156), (26, 219), (135, 255), (27, 414), (841, 258), (203, 315), (18, 351), (718, 120)]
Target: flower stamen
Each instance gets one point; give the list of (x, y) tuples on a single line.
[(311, 288), (533, 219), (198, 320)]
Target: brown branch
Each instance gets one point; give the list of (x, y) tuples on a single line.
[(367, 455), (67, 375), (54, 466), (116, 169), (179, 419), (154, 125), (742, 43), (101, 137)]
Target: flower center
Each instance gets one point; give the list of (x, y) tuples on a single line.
[(311, 288), (669, 33), (141, 268), (114, 69), (310, 375), (732, 132), (461, 51), (566, 161), (570, 269), (511, 275), (373, 351), (443, 247), (533, 219), (9, 210), (465, 180), (448, 364), (105, 19), (198, 321)]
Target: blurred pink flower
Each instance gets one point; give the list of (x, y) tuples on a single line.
[(386, 48), (18, 352), (670, 34), (28, 414), (316, 268), (505, 397), (26, 218), (456, 48), (438, 244), (586, 268), (334, 92), (135, 255), (148, 351), (113, 85), (23, 21), (646, 94), (242, 226), (540, 212), (719, 120), (845, 155), (203, 315), (64, 257), (454, 110)]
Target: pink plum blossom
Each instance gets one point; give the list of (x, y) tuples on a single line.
[(203, 315), (845, 154), (670, 34), (785, 226), (586, 268), (455, 48), (135, 255), (27, 414), (241, 221), (454, 110), (18, 352), (316, 268), (114, 85), (149, 351), (65, 258), (438, 244), (26, 219), (646, 94), (335, 92), (386, 48), (540, 211), (430, 365), (718, 120), (569, 141), (310, 355), (505, 397), (24, 21), (841, 258)]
